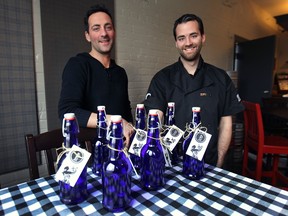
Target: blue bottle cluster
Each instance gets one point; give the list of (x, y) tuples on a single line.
[(192, 168), (169, 121), (112, 164), (72, 195), (116, 176), (140, 123), (152, 157), (100, 149)]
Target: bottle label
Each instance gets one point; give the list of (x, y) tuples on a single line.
[(171, 139), (198, 144), (73, 165), (138, 142)]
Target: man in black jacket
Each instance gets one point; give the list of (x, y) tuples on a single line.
[(190, 82)]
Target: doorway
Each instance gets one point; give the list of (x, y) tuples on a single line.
[(255, 61)]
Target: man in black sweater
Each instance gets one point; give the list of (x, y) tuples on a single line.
[(93, 79)]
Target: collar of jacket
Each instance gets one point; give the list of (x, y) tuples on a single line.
[(201, 79)]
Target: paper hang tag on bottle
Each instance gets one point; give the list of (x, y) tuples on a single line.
[(198, 144), (138, 142), (73, 165), (171, 139), (166, 156)]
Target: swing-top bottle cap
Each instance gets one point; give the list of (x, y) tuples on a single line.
[(69, 116), (100, 108), (196, 109), (153, 112), (171, 104), (140, 106), (116, 118)]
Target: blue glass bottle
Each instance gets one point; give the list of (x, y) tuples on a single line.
[(140, 124), (169, 121), (72, 195), (192, 168), (116, 178), (152, 157), (100, 150)]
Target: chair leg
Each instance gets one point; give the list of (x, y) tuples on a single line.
[(269, 158), (258, 170), (245, 161), (279, 176), (283, 179), (286, 172), (275, 169)]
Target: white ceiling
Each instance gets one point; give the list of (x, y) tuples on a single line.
[(274, 7)]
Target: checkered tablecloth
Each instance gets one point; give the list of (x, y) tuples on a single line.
[(219, 193)]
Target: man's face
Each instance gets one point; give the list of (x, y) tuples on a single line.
[(101, 32), (189, 40)]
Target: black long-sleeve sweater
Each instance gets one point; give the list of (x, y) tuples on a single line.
[(86, 84)]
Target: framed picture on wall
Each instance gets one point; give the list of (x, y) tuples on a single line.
[(282, 80)]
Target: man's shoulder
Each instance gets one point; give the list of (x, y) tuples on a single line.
[(80, 58), (171, 67), (216, 73), (168, 69), (213, 69)]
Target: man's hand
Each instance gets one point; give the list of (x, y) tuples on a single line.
[(127, 127), (127, 132)]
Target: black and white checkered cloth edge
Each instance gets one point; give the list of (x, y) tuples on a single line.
[(219, 193)]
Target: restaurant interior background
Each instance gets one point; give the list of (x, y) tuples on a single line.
[(37, 38)]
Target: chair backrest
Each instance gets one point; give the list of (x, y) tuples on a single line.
[(48, 142), (254, 129)]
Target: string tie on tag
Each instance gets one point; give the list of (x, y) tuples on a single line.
[(166, 128), (162, 142), (190, 130), (64, 151)]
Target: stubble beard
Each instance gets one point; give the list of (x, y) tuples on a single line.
[(104, 50), (191, 57)]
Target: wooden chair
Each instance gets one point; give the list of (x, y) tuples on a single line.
[(48, 142), (258, 143), (273, 124)]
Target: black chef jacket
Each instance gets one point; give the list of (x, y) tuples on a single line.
[(210, 88)]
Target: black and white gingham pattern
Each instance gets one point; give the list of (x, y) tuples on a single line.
[(219, 193)]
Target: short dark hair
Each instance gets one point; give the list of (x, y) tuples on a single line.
[(186, 18), (94, 9)]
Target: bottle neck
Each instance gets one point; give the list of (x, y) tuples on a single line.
[(170, 116), (196, 119), (101, 116), (140, 119), (101, 124), (116, 139), (71, 133), (153, 127)]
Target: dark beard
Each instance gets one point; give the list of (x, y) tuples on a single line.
[(190, 58)]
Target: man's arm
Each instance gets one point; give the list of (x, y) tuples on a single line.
[(224, 139), (127, 128)]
